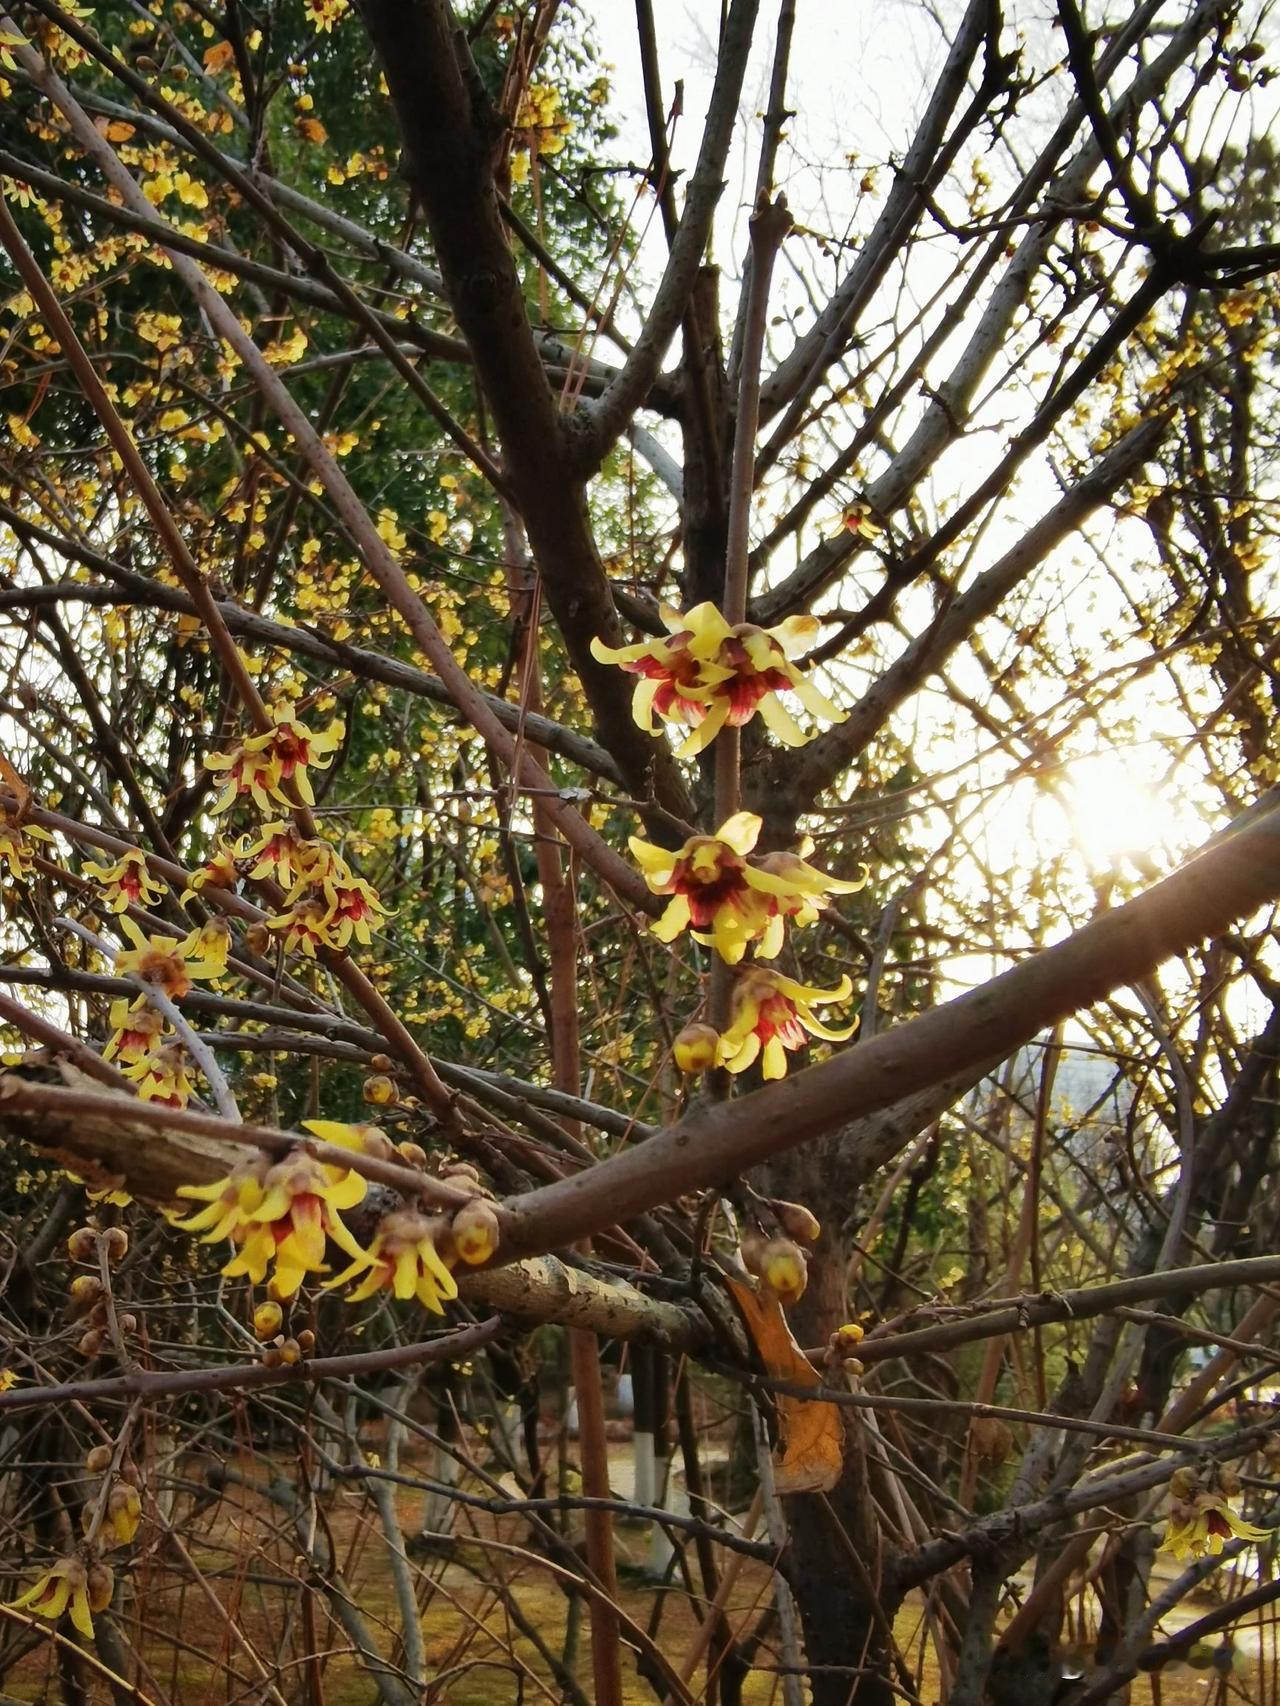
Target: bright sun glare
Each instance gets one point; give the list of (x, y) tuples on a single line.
[(1114, 809)]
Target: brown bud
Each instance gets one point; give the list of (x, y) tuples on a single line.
[(128, 1323), (460, 1173), (100, 1584), (306, 1341), (378, 1145), (92, 1343), (258, 940), (98, 1459), (751, 1248), (381, 1063), (131, 1475), (85, 1290), (1228, 1481), (116, 1241), (797, 1222), (82, 1246), (271, 1357), (290, 1353), (413, 1154), (379, 1090)]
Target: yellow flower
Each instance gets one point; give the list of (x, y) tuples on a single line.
[(14, 849), (218, 872), (714, 888), (69, 1586), (352, 903), (163, 1075), (229, 1202), (1201, 1526), (123, 1515), (157, 959), (404, 1260), (8, 1379), (136, 1029), (262, 765), (306, 925), (281, 852), (206, 949), (289, 1226), (770, 1014), (127, 882), (709, 673)]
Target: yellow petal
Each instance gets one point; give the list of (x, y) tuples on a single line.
[(704, 732), (740, 832), (774, 1064), (796, 634), (656, 862), (780, 723), (673, 920)]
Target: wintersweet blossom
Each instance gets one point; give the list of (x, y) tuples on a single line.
[(136, 1028), (69, 1587), (263, 765), (708, 673), (1201, 1526), (715, 890), (16, 853), (163, 1074), (770, 1014), (127, 882), (218, 872), (282, 852), (328, 911), (279, 1214), (173, 963), (405, 1260)]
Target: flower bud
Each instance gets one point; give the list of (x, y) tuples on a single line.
[(257, 940), (267, 1320), (131, 1475), (381, 1063), (377, 1144), (460, 1173), (412, 1154), (128, 1323), (116, 1240), (82, 1246), (291, 1353), (695, 1048), (379, 1090), (1184, 1483), (752, 1248), (85, 1290), (271, 1357), (475, 1233), (797, 1222), (783, 1270), (100, 1584), (92, 1343), (98, 1459), (846, 1337), (306, 1341), (1228, 1481)]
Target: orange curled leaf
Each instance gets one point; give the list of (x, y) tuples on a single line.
[(811, 1448)]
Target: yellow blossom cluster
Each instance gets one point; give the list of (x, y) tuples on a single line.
[(708, 674), (265, 766), (281, 1216)]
